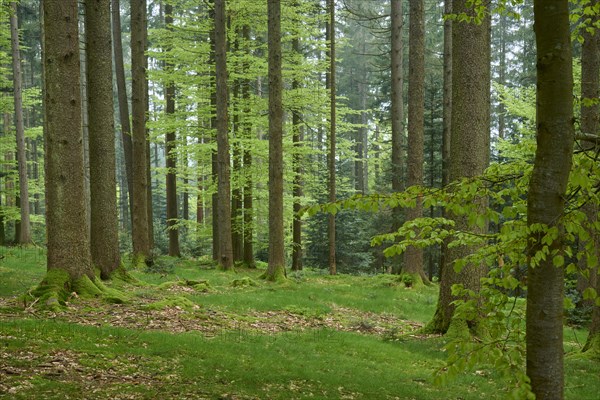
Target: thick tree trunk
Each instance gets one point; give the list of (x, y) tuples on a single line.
[(66, 220), (25, 231), (171, 152), (122, 100), (332, 138), (104, 235), (413, 258), (469, 150), (276, 269), (140, 226), (546, 199), (225, 259)]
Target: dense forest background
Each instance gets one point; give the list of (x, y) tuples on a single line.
[(440, 141)]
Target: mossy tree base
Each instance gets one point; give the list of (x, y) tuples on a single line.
[(592, 347), (57, 288), (276, 274)]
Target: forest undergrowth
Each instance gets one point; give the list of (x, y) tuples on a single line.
[(190, 331)]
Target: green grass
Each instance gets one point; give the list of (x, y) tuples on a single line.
[(313, 337)]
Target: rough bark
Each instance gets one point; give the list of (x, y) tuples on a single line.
[(66, 220), (140, 226), (546, 199), (171, 152), (247, 160), (276, 268), (225, 259), (104, 235), (25, 231), (332, 137), (122, 100), (413, 258), (469, 148)]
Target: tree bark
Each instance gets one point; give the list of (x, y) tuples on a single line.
[(469, 149), (24, 237), (224, 205), (247, 160), (66, 220), (140, 227), (276, 269), (297, 139), (122, 100), (413, 258), (546, 199), (171, 150), (104, 235), (332, 137)]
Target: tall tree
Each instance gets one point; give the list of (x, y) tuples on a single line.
[(122, 99), (413, 258), (397, 111), (297, 139), (590, 113), (170, 150), (546, 198), (247, 161), (25, 231), (66, 221), (104, 236), (276, 269), (224, 205), (332, 131), (469, 148), (140, 228)]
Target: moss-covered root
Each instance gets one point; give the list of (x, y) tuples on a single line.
[(57, 288), (277, 274), (592, 347), (121, 274)]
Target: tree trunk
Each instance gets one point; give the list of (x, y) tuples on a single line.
[(214, 161), (276, 269), (332, 138), (171, 150), (297, 139), (590, 89), (413, 258), (24, 237), (546, 199), (103, 194), (225, 259), (237, 218), (66, 220), (122, 100), (248, 182), (140, 226), (470, 132)]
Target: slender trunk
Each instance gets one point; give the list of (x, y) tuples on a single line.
[(122, 99), (332, 138), (225, 259), (546, 199), (171, 150), (248, 182), (297, 139), (25, 231)]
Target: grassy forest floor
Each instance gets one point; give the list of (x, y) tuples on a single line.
[(189, 331)]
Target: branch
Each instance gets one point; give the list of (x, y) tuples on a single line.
[(588, 137)]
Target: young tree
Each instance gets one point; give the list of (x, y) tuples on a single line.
[(469, 149), (122, 99), (224, 205), (68, 255), (276, 269), (331, 86), (25, 231), (397, 111), (103, 194), (170, 150), (140, 227), (297, 139), (546, 198), (413, 258)]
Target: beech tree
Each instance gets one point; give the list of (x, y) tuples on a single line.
[(546, 198)]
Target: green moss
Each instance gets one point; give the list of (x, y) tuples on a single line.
[(592, 347), (278, 275), (138, 262), (172, 302), (201, 285), (53, 291), (243, 282)]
